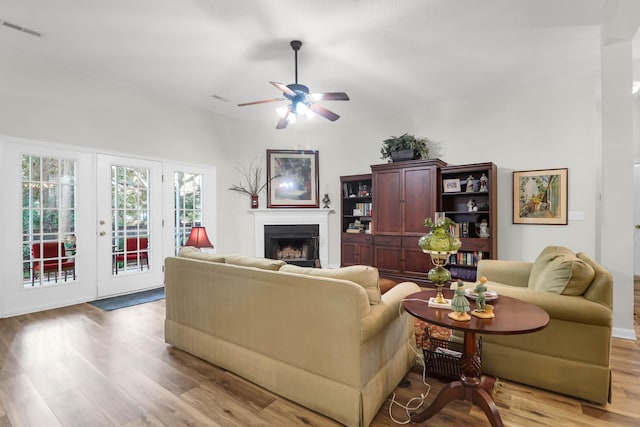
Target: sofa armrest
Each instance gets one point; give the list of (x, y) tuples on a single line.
[(514, 273), (576, 309), (389, 309)]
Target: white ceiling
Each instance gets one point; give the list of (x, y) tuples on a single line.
[(388, 55)]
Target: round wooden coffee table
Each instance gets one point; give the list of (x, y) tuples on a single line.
[(513, 317)]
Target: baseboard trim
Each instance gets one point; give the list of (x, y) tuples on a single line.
[(625, 334)]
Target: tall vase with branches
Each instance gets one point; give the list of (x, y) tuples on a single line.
[(250, 183)]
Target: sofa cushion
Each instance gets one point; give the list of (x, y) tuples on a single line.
[(252, 261), (547, 255), (363, 275), (559, 270), (195, 253)]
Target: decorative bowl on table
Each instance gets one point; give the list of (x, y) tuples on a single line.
[(488, 295)]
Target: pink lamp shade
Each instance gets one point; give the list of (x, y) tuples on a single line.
[(199, 238)]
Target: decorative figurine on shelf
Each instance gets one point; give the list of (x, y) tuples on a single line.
[(482, 310), (326, 200), (460, 305), (470, 184), (484, 228), (471, 205), (483, 183)]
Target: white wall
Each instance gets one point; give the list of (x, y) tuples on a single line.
[(42, 101)]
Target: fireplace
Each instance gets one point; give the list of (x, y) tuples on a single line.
[(296, 244), (287, 216)]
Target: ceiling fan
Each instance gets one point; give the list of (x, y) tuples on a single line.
[(302, 102)]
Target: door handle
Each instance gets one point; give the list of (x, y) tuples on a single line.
[(102, 233)]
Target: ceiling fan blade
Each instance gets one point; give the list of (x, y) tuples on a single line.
[(282, 123), (264, 101), (283, 88), (329, 96), (327, 114)]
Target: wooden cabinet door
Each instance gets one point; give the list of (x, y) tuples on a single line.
[(349, 253), (420, 199), (387, 205), (388, 253), (365, 253), (416, 263), (356, 249), (388, 259)]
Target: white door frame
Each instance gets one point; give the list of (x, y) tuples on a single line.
[(109, 283), (209, 199), (14, 297)]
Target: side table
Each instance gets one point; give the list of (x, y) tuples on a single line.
[(513, 317)]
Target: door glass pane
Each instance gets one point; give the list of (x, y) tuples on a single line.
[(187, 205), (48, 221), (130, 230)]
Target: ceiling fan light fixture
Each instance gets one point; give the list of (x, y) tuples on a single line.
[(301, 108), (282, 111), (301, 101)]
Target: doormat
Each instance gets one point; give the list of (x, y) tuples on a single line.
[(122, 301)]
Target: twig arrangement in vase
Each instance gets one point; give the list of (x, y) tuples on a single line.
[(250, 184)]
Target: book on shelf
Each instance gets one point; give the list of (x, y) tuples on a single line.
[(464, 229), (356, 227), (362, 209), (466, 258)]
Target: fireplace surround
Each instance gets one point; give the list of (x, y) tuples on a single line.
[(286, 216)]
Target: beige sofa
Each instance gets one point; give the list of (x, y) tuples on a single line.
[(571, 355), (334, 345)]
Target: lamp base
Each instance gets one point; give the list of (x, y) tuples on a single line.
[(434, 303)]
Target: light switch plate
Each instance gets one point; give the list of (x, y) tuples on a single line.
[(576, 215)]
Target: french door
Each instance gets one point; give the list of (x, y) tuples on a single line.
[(78, 225), (48, 235), (129, 224)]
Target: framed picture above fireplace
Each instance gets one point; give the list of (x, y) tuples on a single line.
[(292, 177)]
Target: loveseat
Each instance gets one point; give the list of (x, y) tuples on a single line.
[(324, 338), (571, 355)]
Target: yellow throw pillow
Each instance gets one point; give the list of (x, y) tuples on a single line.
[(547, 255), (566, 275), (363, 275)]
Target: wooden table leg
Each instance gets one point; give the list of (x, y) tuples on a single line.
[(468, 388)]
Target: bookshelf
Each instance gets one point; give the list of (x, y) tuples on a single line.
[(469, 197), (356, 241)]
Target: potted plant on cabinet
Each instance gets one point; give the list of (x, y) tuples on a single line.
[(405, 147)]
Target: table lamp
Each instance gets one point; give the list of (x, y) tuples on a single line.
[(198, 238), (440, 244)]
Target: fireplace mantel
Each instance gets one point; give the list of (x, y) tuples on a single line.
[(264, 217)]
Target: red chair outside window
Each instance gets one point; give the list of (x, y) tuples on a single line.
[(53, 259), (134, 253)]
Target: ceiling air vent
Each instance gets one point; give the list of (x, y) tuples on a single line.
[(19, 28)]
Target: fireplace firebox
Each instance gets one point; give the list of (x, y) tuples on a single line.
[(296, 244)]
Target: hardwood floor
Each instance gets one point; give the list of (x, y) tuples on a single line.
[(80, 366)]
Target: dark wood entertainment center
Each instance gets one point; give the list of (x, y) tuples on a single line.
[(383, 213)]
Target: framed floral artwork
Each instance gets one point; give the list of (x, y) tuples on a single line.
[(540, 196)]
